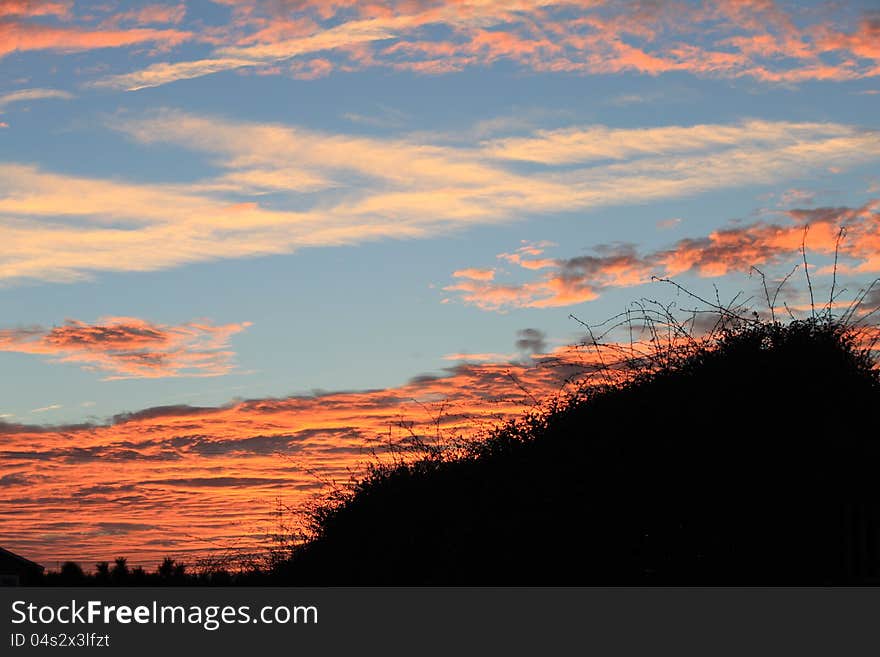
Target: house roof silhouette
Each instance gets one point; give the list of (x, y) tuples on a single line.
[(15, 569)]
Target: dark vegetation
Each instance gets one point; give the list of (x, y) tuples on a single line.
[(749, 461), (746, 456), (168, 573)]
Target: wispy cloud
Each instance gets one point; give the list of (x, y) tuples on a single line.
[(24, 95), (760, 40), (126, 347), (308, 39), (592, 143), (46, 409), (668, 224), (383, 117), (151, 14), (375, 188), (237, 57)]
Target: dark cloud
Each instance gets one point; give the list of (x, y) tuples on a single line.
[(254, 445), (531, 341), (607, 256), (825, 215), (872, 299), (257, 445), (219, 482), (88, 491), (87, 454), (14, 479), (130, 347), (120, 528), (11, 428), (176, 410), (81, 335)]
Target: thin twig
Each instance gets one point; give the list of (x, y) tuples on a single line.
[(807, 271)]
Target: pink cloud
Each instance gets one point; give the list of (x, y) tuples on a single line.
[(24, 8), (158, 14), (311, 69), (732, 38), (19, 37)]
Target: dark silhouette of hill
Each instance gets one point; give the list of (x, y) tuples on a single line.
[(750, 459)]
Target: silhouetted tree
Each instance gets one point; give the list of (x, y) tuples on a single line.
[(102, 572), (138, 576), (120, 571), (166, 568), (71, 574)]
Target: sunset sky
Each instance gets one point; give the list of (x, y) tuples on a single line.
[(239, 239)]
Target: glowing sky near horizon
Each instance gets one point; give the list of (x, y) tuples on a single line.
[(239, 240)]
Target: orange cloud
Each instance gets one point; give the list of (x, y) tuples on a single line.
[(517, 257), (863, 43), (475, 274), (575, 280), (21, 37), (187, 481), (127, 347), (25, 8), (312, 69), (726, 39)]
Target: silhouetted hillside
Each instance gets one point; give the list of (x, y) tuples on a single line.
[(750, 460)]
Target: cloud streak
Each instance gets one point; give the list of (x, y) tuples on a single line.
[(18, 36), (232, 58), (128, 348), (25, 95), (60, 227)]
